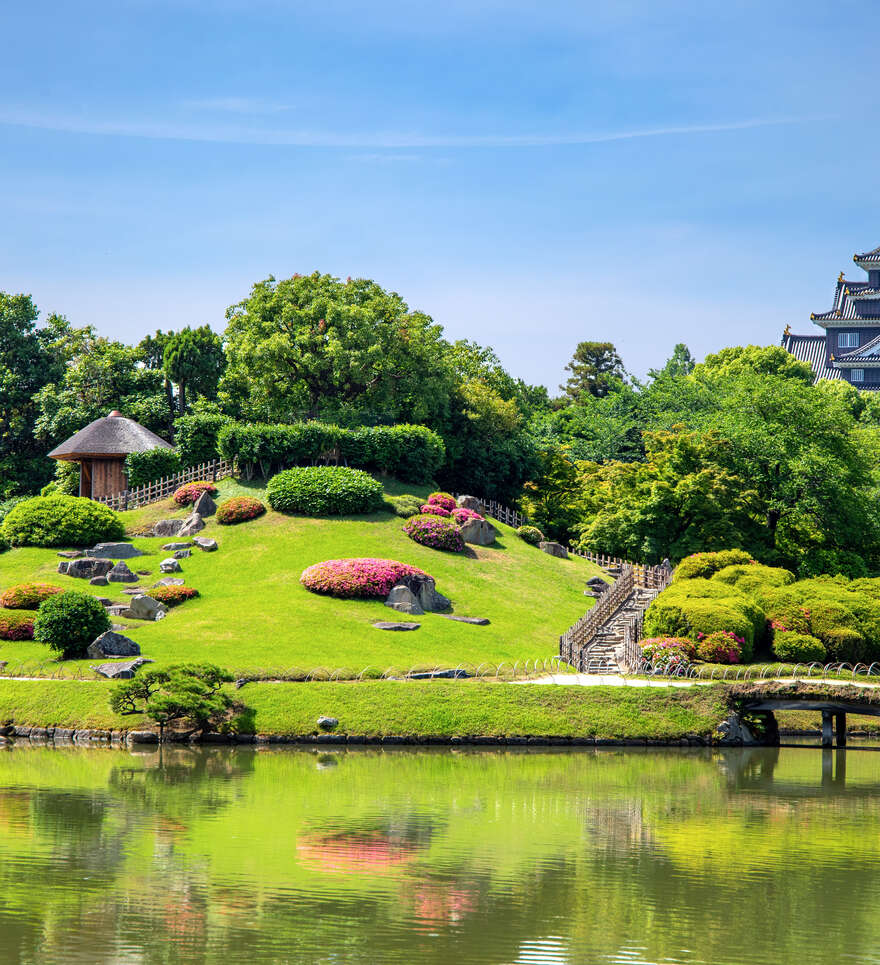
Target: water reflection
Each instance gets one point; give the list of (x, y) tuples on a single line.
[(438, 856)]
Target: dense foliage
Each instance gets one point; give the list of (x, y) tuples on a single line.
[(187, 494), (531, 534), (145, 467), (444, 500), (61, 521), (405, 505), (239, 509), (17, 624), (435, 531), (324, 491), (27, 596), (195, 437), (365, 578), (69, 622)]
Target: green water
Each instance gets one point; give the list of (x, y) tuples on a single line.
[(234, 855)]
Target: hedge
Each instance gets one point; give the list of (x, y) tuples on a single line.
[(61, 521), (196, 438), (324, 491), (411, 453), (144, 467), (705, 565)]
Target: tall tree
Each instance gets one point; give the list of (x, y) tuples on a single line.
[(193, 360), (595, 368), (680, 363)]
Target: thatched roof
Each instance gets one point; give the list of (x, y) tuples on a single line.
[(114, 435)]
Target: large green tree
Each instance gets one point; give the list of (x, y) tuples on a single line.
[(595, 368), (193, 360)]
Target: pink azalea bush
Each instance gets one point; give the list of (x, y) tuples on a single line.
[(668, 653), (434, 509), (462, 515), (722, 646), (436, 532), (363, 578), (446, 500)]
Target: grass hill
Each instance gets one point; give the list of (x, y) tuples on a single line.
[(254, 618)]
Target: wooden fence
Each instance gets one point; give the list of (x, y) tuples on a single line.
[(162, 488)]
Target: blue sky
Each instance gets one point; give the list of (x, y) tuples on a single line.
[(530, 174)]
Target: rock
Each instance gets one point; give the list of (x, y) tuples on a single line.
[(384, 625), (169, 566), (104, 600), (480, 532), (182, 554), (111, 644), (553, 549), (115, 551), (132, 590), (471, 502), (98, 581), (205, 543), (734, 731), (192, 524), (170, 547), (86, 567), (476, 621), (170, 581), (422, 588), (121, 574), (204, 505), (328, 723), (70, 554), (402, 599), (122, 669), (142, 737), (144, 608), (457, 674), (143, 572), (167, 527)]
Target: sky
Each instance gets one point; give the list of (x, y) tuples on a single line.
[(529, 174)]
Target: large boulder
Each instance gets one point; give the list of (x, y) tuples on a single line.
[(204, 505), (121, 574), (191, 525), (99, 581), (182, 554), (422, 588), (553, 549), (122, 669), (85, 567), (169, 566), (471, 502), (144, 608), (480, 532), (115, 551), (402, 599), (170, 581), (167, 527), (205, 543), (112, 644)]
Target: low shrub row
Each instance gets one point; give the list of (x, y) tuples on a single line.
[(405, 505), (144, 467), (324, 491)]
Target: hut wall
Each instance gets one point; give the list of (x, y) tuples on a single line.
[(108, 477)]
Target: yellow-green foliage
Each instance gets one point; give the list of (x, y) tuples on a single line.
[(754, 579), (704, 565)]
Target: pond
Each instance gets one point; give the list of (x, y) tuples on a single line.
[(439, 856)]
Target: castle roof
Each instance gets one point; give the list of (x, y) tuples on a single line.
[(873, 256), (811, 349), (869, 352), (112, 436), (853, 302)]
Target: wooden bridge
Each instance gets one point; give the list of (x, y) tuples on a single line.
[(833, 709)]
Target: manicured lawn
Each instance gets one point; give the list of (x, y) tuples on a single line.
[(254, 617)]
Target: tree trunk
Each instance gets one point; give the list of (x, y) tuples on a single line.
[(181, 393)]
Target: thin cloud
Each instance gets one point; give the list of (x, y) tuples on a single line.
[(236, 105), (371, 141)]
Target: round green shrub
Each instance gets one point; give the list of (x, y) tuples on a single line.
[(704, 565), (405, 506), (754, 579), (438, 532), (531, 534), (61, 521), (847, 645), (69, 622), (798, 647), (324, 491)]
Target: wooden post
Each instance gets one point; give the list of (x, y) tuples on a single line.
[(826, 728), (840, 728)]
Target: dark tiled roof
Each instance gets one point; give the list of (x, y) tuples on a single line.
[(846, 296), (872, 255), (114, 435), (869, 351), (811, 348)]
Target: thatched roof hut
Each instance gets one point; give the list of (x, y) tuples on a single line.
[(100, 449)]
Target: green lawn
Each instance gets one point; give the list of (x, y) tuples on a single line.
[(254, 617)]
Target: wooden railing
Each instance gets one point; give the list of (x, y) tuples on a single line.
[(162, 488), (573, 644)]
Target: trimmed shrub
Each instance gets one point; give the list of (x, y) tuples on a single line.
[(66, 481), (324, 491), (7, 504), (17, 625), (69, 622), (531, 534), (239, 509), (461, 515), (362, 578), (704, 565), (798, 647), (668, 653), (405, 505), (196, 438), (27, 596), (187, 494), (846, 645), (173, 595), (754, 579), (446, 500), (144, 467), (786, 615), (434, 509), (435, 531), (61, 521), (723, 646)]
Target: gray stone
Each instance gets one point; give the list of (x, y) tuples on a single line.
[(205, 543), (70, 554), (122, 669), (170, 547), (182, 554), (170, 581), (735, 731), (471, 502), (480, 532), (142, 737), (98, 581), (104, 600), (423, 589), (597, 583), (402, 599), (204, 505), (457, 674), (553, 549), (328, 723), (132, 590), (121, 574), (144, 608), (111, 644), (86, 567), (476, 621), (169, 566), (167, 527), (115, 551), (385, 625), (192, 524)]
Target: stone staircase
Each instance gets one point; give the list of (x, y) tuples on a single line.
[(603, 653)]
